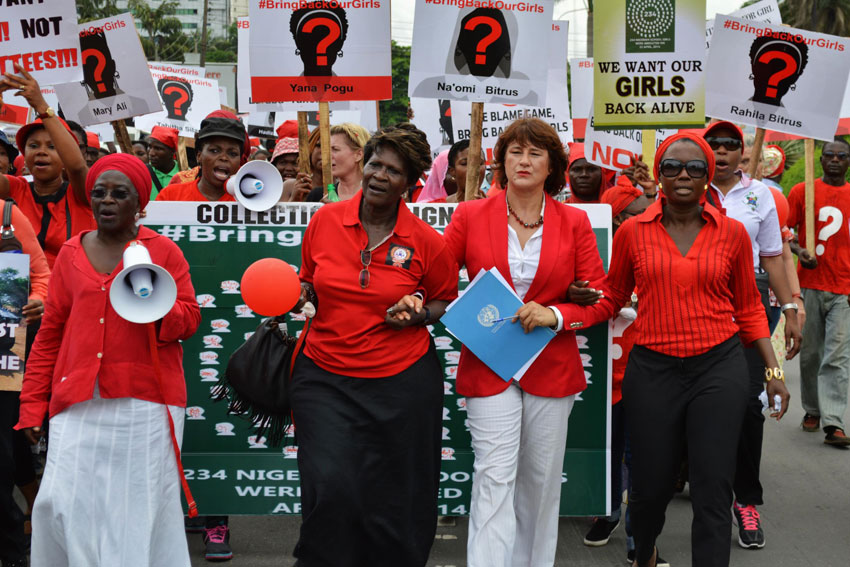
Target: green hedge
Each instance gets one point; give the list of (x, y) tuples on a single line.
[(797, 172)]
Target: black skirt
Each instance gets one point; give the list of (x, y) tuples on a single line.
[(369, 461)]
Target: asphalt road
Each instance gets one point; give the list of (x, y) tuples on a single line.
[(806, 516)]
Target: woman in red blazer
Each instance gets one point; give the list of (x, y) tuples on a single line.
[(519, 428)]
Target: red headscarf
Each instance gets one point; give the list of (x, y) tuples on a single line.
[(167, 136), (129, 165), (289, 129), (620, 195), (92, 140), (576, 153), (693, 136)]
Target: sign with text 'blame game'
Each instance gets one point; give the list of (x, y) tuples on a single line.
[(649, 64), (41, 36), (480, 51), (320, 50), (776, 78), (116, 83)]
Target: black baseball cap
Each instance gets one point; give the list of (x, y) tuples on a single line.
[(224, 127), (11, 150)]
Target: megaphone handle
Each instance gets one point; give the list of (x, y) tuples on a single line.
[(157, 370)]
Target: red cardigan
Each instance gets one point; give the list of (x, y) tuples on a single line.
[(82, 338), (478, 237)]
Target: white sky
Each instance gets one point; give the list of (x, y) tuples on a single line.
[(572, 10)]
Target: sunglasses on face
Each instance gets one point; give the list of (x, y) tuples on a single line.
[(731, 144), (839, 155), (695, 168), (117, 194)]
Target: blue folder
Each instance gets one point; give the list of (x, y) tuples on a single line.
[(503, 346)]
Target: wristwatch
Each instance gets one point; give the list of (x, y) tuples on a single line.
[(788, 306), (49, 113), (771, 373)]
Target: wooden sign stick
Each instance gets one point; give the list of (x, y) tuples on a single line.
[(122, 136), (473, 160), (325, 140), (755, 154), (809, 145), (303, 143), (182, 159)]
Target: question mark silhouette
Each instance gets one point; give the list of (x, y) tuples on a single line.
[(333, 35), (98, 70), (182, 96), (835, 218), (784, 73), (495, 33)]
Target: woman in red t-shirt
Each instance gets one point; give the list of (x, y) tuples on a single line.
[(367, 392), (686, 381), (56, 209)]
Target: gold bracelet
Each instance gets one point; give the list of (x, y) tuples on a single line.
[(771, 373)]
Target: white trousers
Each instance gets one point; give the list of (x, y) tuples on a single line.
[(110, 496), (519, 442)]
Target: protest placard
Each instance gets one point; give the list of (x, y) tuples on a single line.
[(41, 36), (616, 149), (581, 93), (320, 51), (463, 51), (776, 77), (649, 64), (14, 294), (116, 84), (434, 117), (764, 11), (14, 114), (186, 95)]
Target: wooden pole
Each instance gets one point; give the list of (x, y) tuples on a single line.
[(809, 145), (325, 140), (378, 113), (648, 147), (303, 141), (755, 154), (122, 136), (473, 159), (182, 159)]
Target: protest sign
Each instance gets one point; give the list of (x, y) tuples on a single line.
[(14, 294), (41, 36), (232, 471), (186, 95), (14, 114), (764, 11), (116, 84), (320, 51), (581, 93), (616, 149), (434, 117), (480, 54), (776, 78), (649, 64)]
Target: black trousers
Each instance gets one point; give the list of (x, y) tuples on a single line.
[(618, 448), (369, 461), (12, 541), (670, 401)]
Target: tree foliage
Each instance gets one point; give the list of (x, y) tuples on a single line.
[(88, 10), (165, 39), (13, 288), (824, 16), (221, 49), (395, 110)]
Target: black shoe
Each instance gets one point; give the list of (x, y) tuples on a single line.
[(599, 532), (630, 556), (217, 541), (750, 534), (22, 562), (659, 561), (194, 525)]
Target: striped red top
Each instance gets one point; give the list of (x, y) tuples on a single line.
[(688, 304)]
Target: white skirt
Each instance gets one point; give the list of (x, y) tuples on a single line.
[(110, 496)]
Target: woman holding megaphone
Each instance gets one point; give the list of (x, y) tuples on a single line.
[(111, 488)]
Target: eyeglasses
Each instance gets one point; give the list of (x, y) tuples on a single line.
[(117, 194), (695, 168), (839, 155), (731, 144), (365, 259)]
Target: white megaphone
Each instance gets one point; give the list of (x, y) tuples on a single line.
[(257, 185), (142, 292)]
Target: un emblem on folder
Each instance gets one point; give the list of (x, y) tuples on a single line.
[(487, 315)]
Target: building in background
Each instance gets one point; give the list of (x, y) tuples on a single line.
[(191, 15)]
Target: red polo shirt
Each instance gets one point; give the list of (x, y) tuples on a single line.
[(187, 191), (348, 336)]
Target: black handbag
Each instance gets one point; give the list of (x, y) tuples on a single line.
[(256, 381)]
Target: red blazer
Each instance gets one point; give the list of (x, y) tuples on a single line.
[(478, 237)]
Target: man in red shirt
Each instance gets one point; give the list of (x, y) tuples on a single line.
[(825, 283)]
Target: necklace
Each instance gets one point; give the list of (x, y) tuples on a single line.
[(522, 222)]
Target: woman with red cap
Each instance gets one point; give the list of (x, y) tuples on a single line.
[(111, 488), (57, 209), (686, 381)]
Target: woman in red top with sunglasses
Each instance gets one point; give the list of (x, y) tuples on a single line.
[(686, 381)]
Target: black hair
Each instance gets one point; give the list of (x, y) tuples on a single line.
[(456, 148), (298, 16), (142, 142), (760, 42), (840, 140), (409, 142), (78, 131)]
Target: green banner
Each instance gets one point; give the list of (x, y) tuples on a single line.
[(232, 472)]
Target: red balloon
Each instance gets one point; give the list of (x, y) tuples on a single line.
[(782, 208), (270, 287)]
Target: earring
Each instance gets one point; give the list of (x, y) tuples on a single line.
[(339, 54), (138, 216), (297, 52), (751, 76), (794, 87)]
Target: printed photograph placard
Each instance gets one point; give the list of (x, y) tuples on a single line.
[(186, 95), (14, 294)]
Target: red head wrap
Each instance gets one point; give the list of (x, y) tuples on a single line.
[(289, 129), (167, 136), (92, 140), (620, 195), (576, 153), (693, 136), (129, 165)]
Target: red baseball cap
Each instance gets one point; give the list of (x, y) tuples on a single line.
[(92, 140), (25, 131), (724, 125)]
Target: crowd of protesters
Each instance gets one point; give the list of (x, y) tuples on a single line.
[(701, 272)]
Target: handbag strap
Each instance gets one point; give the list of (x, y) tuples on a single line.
[(157, 370), (299, 345)]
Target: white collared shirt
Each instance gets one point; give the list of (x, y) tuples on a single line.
[(523, 262)]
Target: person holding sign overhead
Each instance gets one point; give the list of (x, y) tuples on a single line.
[(57, 209), (367, 389), (686, 381), (111, 488), (519, 427)]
